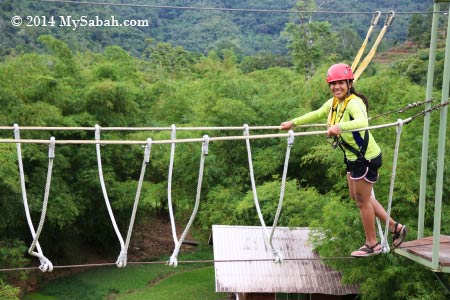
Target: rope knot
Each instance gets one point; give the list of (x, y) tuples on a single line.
[(46, 265), (122, 259), (291, 138), (51, 148), (173, 262), (246, 129), (205, 144), (147, 150), (97, 132), (278, 258)]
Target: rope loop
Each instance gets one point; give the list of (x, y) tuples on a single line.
[(46, 265), (173, 261), (278, 258), (148, 149), (389, 19), (400, 125), (205, 144), (246, 130), (375, 18), (122, 259), (291, 138), (16, 131), (97, 132), (173, 134), (51, 148)]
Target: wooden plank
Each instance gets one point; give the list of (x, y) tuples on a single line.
[(424, 249)]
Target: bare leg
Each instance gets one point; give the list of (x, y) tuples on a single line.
[(380, 212), (363, 191)]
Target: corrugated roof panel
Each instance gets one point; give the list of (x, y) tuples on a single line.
[(290, 276)]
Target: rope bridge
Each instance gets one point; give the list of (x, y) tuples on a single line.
[(46, 265)]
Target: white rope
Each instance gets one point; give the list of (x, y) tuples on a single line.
[(169, 185), (193, 140), (122, 259), (384, 244), (275, 252), (173, 258), (119, 262), (290, 143), (202, 128), (46, 265), (394, 170)]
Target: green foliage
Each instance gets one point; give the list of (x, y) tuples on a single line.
[(195, 30), (8, 292), (172, 86), (310, 43)]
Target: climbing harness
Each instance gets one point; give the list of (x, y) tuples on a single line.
[(173, 260), (268, 238), (121, 261), (46, 265), (360, 154), (373, 24), (360, 69)]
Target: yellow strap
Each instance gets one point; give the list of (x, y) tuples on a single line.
[(373, 24), (372, 51), (333, 112)]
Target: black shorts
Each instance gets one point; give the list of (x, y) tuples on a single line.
[(362, 168)]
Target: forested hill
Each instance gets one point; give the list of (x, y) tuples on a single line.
[(195, 30)]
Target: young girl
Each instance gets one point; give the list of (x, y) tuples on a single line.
[(346, 111)]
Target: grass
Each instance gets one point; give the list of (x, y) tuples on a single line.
[(196, 285), (101, 283)]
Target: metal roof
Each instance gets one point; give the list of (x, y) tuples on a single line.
[(290, 276)]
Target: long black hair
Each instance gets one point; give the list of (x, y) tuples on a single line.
[(363, 97)]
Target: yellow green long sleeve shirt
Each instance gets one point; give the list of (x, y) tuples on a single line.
[(357, 110)]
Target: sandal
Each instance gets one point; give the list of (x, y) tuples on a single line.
[(398, 236), (367, 250)]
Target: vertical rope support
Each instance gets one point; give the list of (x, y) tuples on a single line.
[(45, 264), (173, 258), (290, 143), (277, 256), (394, 170), (105, 194), (384, 244), (173, 136), (122, 259)]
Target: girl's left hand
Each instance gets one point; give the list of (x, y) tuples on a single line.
[(334, 130)]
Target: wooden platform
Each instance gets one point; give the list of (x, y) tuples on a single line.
[(423, 250)]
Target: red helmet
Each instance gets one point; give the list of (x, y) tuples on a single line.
[(339, 72)]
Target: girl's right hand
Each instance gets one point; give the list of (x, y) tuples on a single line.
[(286, 125)]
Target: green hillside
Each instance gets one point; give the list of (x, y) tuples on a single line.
[(195, 30)]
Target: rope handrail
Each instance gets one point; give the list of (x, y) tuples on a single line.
[(164, 262), (218, 138), (190, 140), (215, 128), (200, 128)]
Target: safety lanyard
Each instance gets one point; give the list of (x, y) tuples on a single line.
[(334, 107)]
